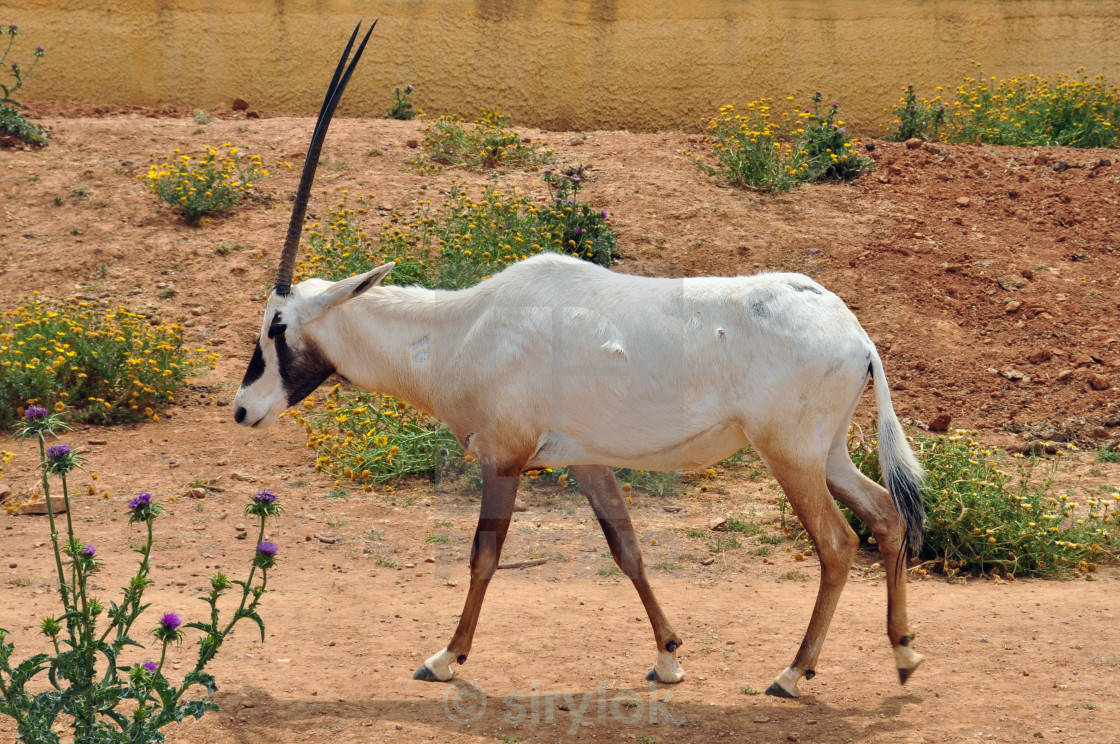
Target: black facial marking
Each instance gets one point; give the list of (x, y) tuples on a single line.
[(302, 371), (256, 367), (276, 327)]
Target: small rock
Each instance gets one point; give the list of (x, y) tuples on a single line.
[(1041, 159), (240, 104), (412, 144), (328, 539), (58, 506), (97, 441), (1065, 374), (5, 492), (11, 565), (672, 508), (707, 561), (196, 493), (574, 141), (760, 718), (240, 528), (1012, 306), (1040, 356), (223, 401), (518, 506), (1010, 283), (1099, 382), (429, 559), (241, 535), (1011, 374), (913, 143), (963, 201), (940, 422), (243, 477), (717, 525)]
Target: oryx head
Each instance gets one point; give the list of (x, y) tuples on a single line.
[(287, 363)]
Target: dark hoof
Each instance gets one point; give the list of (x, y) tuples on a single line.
[(652, 676), (904, 674), (425, 674), (777, 690)]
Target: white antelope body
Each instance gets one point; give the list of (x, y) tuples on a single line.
[(557, 362)]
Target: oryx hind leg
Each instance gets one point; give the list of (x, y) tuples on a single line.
[(499, 490), (836, 544), (873, 505), (601, 488)]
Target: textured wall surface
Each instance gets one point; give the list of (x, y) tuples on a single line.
[(561, 64)]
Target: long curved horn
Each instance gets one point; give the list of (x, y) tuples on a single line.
[(299, 208)]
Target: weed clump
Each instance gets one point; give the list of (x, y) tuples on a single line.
[(12, 122), (1026, 111), (488, 142), (984, 514), (762, 150), (101, 365), (210, 185)]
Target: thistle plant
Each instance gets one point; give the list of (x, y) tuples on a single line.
[(89, 685), (12, 122), (402, 107)]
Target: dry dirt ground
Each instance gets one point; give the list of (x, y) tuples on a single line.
[(988, 277)]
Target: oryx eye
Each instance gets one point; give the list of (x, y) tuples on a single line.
[(276, 329)]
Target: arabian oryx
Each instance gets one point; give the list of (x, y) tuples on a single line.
[(555, 361)]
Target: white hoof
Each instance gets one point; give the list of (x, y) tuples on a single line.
[(437, 668), (907, 661), (785, 684), (667, 670)]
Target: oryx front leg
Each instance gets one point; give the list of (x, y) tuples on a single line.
[(836, 546), (499, 489), (606, 500), (872, 504)]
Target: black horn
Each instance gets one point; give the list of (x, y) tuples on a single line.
[(299, 208)]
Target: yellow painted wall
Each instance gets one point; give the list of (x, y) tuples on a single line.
[(559, 64)]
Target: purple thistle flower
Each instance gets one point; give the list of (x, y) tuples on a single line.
[(58, 451), (548, 173), (89, 551), (13, 28), (409, 88), (843, 130), (268, 549), (571, 201), (170, 622), (34, 413), (151, 666), (605, 214), (264, 497), (579, 231), (40, 49), (140, 501)]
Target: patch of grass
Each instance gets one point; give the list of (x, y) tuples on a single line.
[(334, 522), (437, 538), (749, 691), (1108, 455), (987, 511), (224, 249), (610, 571), (14, 124), (201, 117), (793, 576), (770, 539), (209, 185), (488, 142), (102, 365), (667, 566), (372, 535), (762, 551), (742, 527)]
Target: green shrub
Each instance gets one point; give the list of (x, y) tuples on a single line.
[(573, 225), (213, 184), (826, 146), (488, 142), (102, 365), (12, 122), (984, 513)]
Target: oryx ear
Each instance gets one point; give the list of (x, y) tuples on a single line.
[(351, 287)]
